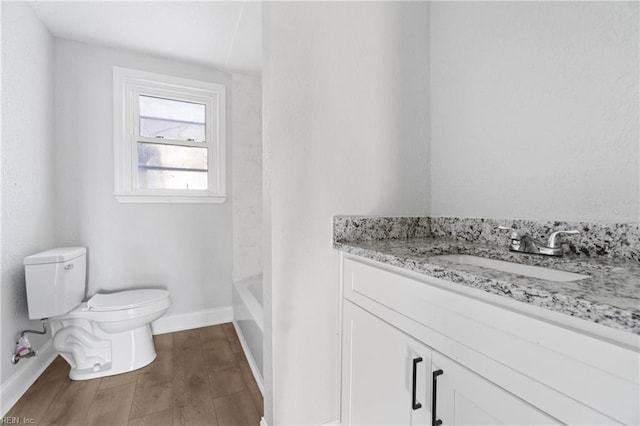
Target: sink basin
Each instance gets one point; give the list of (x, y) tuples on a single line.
[(514, 268)]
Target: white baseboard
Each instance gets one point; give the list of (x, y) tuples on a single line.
[(263, 422), (180, 322), (252, 362), (29, 371)]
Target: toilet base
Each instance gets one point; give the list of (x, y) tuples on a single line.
[(130, 351)]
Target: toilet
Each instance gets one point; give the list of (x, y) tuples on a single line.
[(107, 334)]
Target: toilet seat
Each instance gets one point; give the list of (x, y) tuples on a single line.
[(128, 299), (120, 306)]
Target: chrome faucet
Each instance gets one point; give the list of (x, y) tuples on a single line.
[(524, 243)]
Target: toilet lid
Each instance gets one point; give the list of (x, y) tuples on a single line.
[(125, 299)]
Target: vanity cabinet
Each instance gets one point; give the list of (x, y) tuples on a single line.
[(501, 363), (389, 377)]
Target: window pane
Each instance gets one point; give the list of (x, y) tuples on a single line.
[(171, 179), (171, 119), (171, 167)]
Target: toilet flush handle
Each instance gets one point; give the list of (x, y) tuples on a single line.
[(68, 266)]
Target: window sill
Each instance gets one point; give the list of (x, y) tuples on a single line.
[(171, 199)]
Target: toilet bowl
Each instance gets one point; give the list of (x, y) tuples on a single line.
[(108, 334)]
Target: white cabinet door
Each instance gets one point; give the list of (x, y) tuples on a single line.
[(379, 364), (464, 398)]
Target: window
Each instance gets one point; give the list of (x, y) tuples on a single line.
[(169, 139)]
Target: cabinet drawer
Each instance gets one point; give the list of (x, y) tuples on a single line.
[(541, 356)]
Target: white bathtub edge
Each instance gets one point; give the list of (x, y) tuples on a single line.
[(252, 304), (252, 362)]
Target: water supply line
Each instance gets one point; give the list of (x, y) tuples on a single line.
[(23, 347)]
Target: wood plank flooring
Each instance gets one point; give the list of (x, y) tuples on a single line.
[(200, 377)]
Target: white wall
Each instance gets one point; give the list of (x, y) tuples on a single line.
[(185, 247), (346, 131), (28, 219), (247, 175), (534, 110)]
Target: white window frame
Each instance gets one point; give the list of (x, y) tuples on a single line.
[(128, 84)]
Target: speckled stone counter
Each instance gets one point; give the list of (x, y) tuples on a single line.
[(611, 296)]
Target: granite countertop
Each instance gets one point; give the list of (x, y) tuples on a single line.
[(611, 296)]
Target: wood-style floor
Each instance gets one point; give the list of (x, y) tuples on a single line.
[(200, 377)]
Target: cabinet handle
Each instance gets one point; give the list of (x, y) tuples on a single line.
[(434, 420), (415, 404)]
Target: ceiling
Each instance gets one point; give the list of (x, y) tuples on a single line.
[(221, 34)]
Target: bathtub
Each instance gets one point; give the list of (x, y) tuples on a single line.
[(248, 321)]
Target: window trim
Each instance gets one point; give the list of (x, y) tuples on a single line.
[(127, 85)]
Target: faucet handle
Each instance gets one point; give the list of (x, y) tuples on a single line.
[(515, 234), (553, 243)]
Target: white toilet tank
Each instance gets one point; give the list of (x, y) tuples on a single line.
[(55, 281)]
